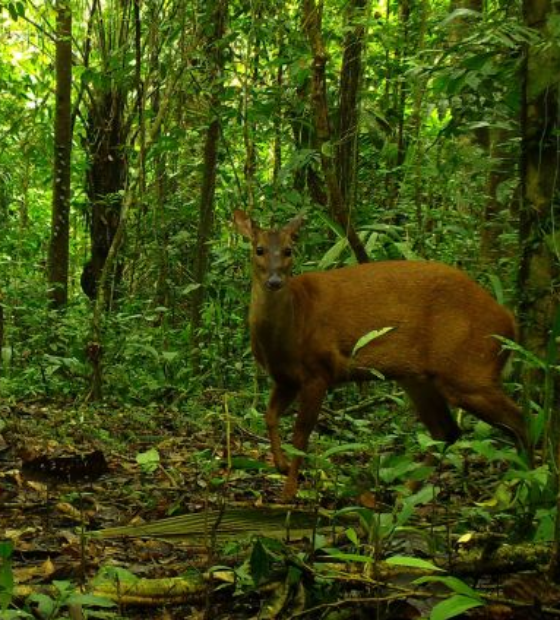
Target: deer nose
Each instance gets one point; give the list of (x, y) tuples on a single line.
[(274, 283)]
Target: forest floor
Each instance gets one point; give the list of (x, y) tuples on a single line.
[(67, 472)]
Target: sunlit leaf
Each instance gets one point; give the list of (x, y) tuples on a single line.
[(400, 560), (370, 337), (454, 606)]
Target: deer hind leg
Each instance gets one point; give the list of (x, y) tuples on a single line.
[(432, 409), (281, 397), (489, 403), (311, 398)]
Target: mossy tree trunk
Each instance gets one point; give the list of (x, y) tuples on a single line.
[(540, 212), (59, 240), (217, 18), (540, 177)]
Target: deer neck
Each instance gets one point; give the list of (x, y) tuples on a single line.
[(273, 326)]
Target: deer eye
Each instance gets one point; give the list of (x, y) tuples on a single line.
[(287, 251), (259, 251)]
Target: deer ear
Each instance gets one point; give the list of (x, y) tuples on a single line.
[(243, 223), (293, 226)]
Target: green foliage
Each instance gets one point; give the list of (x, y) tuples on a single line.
[(38, 605), (6, 575), (428, 205), (149, 461), (67, 596), (454, 606), (435, 92)]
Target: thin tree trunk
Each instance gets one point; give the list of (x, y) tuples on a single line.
[(250, 77), (59, 241), (218, 14), (312, 26), (349, 107), (402, 86), (278, 116), (419, 91), (162, 296)]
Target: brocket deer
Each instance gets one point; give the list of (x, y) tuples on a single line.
[(441, 346)]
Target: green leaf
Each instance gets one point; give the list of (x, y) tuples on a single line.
[(6, 549), (352, 536), (15, 614), (332, 256), (348, 557), (461, 13), (247, 464), (6, 583), (454, 606), (294, 575), (401, 560), (115, 573), (497, 288), (424, 496), (292, 451), (169, 356), (327, 149), (458, 586), (148, 461), (44, 604), (346, 447), (13, 10), (90, 600), (190, 288), (369, 337), (545, 529), (259, 562)]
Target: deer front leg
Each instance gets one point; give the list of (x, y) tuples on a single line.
[(281, 398), (311, 399)]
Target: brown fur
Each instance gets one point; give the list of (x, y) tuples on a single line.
[(442, 348)]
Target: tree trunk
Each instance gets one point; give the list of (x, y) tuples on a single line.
[(94, 348), (217, 12), (278, 117), (250, 77), (161, 229), (402, 86), (417, 117), (540, 211), (59, 241), (540, 171), (349, 107), (107, 135), (312, 26)]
